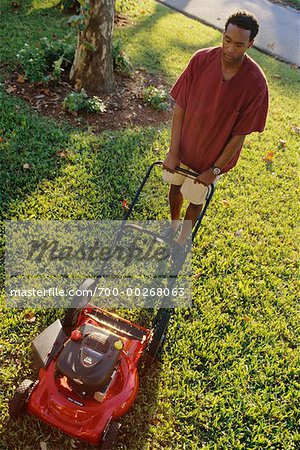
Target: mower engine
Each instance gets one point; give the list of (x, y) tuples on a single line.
[(89, 360)]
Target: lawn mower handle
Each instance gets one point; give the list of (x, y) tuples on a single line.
[(186, 172)]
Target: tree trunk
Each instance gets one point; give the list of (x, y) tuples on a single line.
[(92, 68)]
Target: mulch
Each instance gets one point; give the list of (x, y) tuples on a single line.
[(125, 107)]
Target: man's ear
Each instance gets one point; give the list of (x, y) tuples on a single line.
[(250, 43)]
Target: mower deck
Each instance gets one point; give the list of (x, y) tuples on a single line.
[(86, 417)]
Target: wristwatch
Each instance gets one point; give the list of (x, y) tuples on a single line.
[(216, 170)]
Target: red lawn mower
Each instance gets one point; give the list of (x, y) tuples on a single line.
[(88, 365)]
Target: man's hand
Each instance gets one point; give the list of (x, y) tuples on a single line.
[(206, 178), (171, 162)]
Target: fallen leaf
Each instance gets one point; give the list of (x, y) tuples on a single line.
[(246, 319), (21, 79), (278, 77), (30, 317), (26, 166), (43, 445), (45, 91), (225, 203), (1, 139), (9, 89), (296, 129), (155, 421), (238, 233), (61, 153), (197, 276), (282, 143), (268, 158)]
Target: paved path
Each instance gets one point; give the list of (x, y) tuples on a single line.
[(279, 33)]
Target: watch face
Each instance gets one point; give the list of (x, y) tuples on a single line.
[(216, 171)]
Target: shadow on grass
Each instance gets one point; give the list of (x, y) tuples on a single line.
[(89, 183), (143, 415), (152, 56)]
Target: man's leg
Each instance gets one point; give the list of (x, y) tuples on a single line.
[(190, 218), (175, 201)]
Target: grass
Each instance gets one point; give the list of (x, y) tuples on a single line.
[(229, 378), (293, 3)]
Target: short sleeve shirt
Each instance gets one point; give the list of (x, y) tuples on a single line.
[(215, 109)]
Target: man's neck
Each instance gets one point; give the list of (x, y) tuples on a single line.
[(228, 69)]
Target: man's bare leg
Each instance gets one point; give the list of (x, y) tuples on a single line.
[(175, 200), (190, 218)]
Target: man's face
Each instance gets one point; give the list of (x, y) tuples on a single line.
[(235, 43)]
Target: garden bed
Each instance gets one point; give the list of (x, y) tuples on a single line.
[(125, 107)]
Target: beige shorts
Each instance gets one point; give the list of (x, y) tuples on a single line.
[(193, 192)]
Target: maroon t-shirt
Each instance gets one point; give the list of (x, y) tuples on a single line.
[(216, 109)]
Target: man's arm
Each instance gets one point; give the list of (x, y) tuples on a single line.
[(233, 145), (172, 159)]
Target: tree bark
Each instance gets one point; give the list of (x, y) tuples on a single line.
[(92, 68)]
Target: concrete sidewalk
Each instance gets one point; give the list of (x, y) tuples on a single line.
[(279, 33)]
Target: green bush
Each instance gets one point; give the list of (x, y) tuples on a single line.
[(157, 97), (47, 61), (51, 58), (80, 101), (121, 60), (53, 50), (33, 62)]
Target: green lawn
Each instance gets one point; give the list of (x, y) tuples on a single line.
[(229, 378)]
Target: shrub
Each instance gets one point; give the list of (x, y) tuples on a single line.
[(51, 58), (54, 50), (121, 60), (33, 62), (157, 97), (95, 104), (80, 101), (47, 61)]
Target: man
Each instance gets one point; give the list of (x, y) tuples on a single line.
[(220, 98)]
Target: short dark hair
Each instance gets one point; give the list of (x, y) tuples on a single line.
[(245, 20)]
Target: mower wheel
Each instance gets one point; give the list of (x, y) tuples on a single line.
[(110, 436), (17, 404), (158, 338)]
